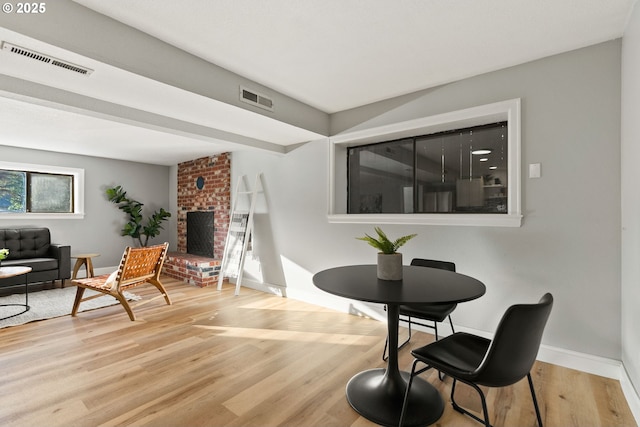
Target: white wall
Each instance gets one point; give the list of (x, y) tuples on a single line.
[(631, 198), (569, 243), (99, 231)]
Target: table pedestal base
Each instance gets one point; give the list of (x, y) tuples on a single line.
[(378, 397)]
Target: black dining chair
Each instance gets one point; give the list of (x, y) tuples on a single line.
[(432, 313), (478, 361)]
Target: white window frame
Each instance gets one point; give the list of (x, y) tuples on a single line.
[(490, 113), (78, 190)]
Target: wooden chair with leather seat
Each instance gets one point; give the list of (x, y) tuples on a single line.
[(138, 266), (478, 361), (432, 313)]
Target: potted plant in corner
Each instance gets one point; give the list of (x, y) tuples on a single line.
[(389, 259), (133, 208)]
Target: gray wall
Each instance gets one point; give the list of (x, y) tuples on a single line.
[(569, 243), (631, 198), (99, 231)]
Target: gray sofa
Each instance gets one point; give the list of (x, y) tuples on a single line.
[(32, 247)]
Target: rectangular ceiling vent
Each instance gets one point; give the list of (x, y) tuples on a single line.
[(46, 59), (254, 98)]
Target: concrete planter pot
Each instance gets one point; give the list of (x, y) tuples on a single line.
[(390, 266)]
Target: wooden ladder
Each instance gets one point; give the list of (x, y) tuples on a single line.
[(239, 232)]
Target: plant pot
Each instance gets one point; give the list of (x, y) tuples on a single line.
[(390, 266)]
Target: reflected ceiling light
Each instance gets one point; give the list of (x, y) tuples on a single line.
[(493, 167), (482, 151), (484, 159)]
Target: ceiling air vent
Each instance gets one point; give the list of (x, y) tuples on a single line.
[(255, 98), (46, 59)]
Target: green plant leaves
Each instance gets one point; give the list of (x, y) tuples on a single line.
[(154, 226), (383, 244), (133, 209)]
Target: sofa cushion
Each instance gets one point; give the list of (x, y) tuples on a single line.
[(36, 264), (25, 242)]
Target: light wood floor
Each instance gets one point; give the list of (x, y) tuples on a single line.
[(212, 359)]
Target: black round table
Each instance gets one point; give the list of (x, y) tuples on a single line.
[(378, 394)]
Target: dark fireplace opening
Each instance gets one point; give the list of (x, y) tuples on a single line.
[(200, 233)]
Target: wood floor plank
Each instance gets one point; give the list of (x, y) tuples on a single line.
[(216, 359)]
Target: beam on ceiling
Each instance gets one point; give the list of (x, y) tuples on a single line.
[(71, 26), (26, 91)]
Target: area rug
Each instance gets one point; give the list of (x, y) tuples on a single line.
[(52, 303)]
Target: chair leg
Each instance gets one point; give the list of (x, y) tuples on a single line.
[(440, 374), (435, 328), (125, 305), (412, 375), (386, 343), (76, 302), (162, 290), (535, 401), (406, 393), (384, 352), (464, 411), (409, 337)]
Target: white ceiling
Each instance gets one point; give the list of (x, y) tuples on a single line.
[(330, 54)]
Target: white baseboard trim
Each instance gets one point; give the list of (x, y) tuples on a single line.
[(631, 394), (263, 287), (591, 364), (345, 305), (609, 368)]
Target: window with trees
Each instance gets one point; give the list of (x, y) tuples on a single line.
[(31, 190)]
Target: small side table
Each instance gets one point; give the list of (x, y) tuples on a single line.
[(86, 260), (17, 271)]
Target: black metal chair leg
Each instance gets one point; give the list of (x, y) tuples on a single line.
[(384, 352), (386, 344), (453, 331), (405, 342), (484, 403), (406, 393), (464, 411), (435, 328), (412, 375), (535, 401)]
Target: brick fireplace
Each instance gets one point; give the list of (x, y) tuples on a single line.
[(204, 185)]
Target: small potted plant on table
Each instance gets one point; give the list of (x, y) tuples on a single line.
[(4, 253), (389, 259)]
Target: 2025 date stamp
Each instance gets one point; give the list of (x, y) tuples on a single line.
[(24, 8)]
